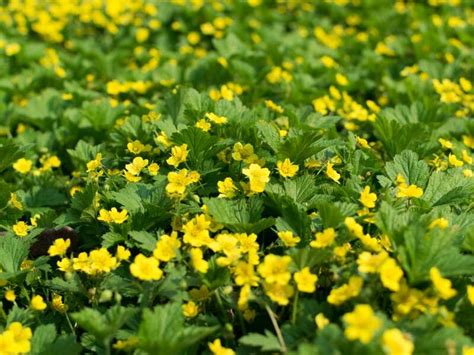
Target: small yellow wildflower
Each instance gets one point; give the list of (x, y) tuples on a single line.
[(361, 324), (59, 247), (286, 168), (409, 191), (197, 260), (441, 223), (368, 198), (324, 238), (113, 216), (258, 177), (146, 268), (397, 343), (190, 309), (21, 229), (226, 188), (305, 280), (37, 303), (321, 320), (217, 348), (331, 173), (179, 155), (23, 166), (442, 285), (288, 238)]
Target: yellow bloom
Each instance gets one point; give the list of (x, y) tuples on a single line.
[(324, 238), (137, 165), (273, 106), (122, 253), (443, 286), (339, 295), (59, 247), (244, 274), (226, 188), (288, 238), (216, 119), (244, 153), (258, 177), (146, 269), (454, 161), (16, 339), (179, 155), (100, 261), (441, 223), (286, 168), (397, 343), (361, 324), (21, 229), (10, 295), (23, 166), (305, 280), (409, 191), (278, 293), (342, 79), (368, 198), (321, 320), (15, 202), (196, 231), (57, 303), (217, 348), (65, 265), (470, 294), (331, 173), (167, 247), (190, 309), (113, 216), (12, 48), (371, 263), (391, 274), (153, 169), (446, 144), (274, 269), (203, 125), (197, 260), (37, 303)]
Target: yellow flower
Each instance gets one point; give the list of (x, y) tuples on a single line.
[(321, 320), (288, 238), (278, 293), (141, 35), (10, 295), (113, 216), (137, 165), (273, 106), (446, 144), (16, 339), (167, 247), (65, 265), (244, 153), (153, 169), (23, 166), (37, 303), (216, 119), (258, 177), (324, 238), (409, 191), (57, 303), (274, 269), (454, 161), (146, 269), (342, 79), (391, 274), (197, 260), (226, 188), (12, 48), (441, 223), (15, 202), (331, 173), (59, 247), (244, 274), (470, 294), (100, 261), (190, 309), (21, 229), (122, 253), (305, 280), (368, 198), (371, 263), (397, 343), (361, 324), (339, 295), (202, 124), (178, 155), (443, 286), (217, 348), (286, 168)]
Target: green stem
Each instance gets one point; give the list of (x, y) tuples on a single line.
[(283, 347), (295, 308)]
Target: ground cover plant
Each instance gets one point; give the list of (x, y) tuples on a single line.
[(236, 177)]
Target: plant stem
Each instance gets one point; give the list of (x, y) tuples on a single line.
[(277, 330), (295, 308)]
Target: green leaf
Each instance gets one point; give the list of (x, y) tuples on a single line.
[(145, 240), (407, 164), (269, 134), (43, 336), (239, 215), (267, 342), (10, 151), (448, 188), (13, 251), (162, 331)]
